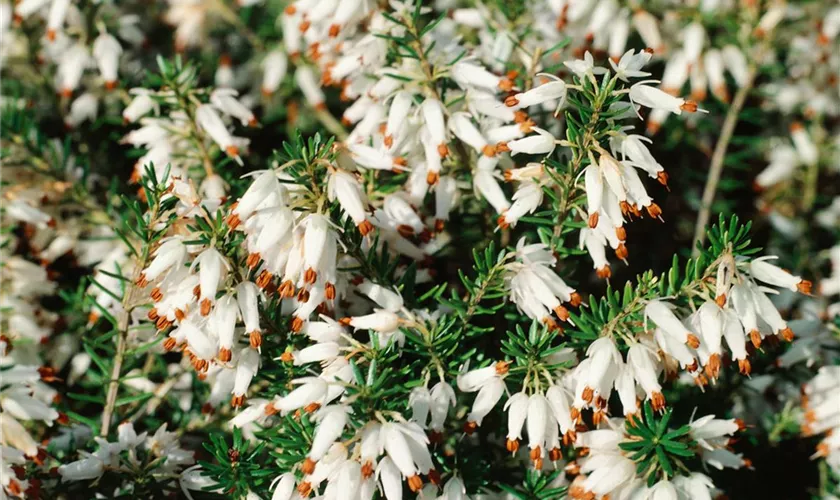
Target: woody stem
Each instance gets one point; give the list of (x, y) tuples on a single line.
[(122, 334), (718, 157)]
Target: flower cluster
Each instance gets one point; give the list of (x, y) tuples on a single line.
[(351, 249)]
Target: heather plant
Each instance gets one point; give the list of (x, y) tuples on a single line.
[(347, 249)]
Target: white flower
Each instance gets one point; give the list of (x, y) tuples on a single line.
[(106, 51), (554, 90), (585, 68), (225, 101), (141, 105), (647, 26), (762, 270), (468, 74), (660, 313), (542, 143), (210, 122), (331, 422), (630, 65), (70, 68), (651, 97), (805, 147), (274, 69)]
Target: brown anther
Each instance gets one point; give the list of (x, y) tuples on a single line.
[(329, 291), (365, 227), (308, 466), (432, 178), (720, 300), (662, 177), (744, 366), (169, 343), (162, 323), (224, 354), (156, 294), (512, 445), (502, 367), (334, 30), (657, 401), (389, 141), (287, 289), (232, 150), (205, 306), (399, 161), (535, 453), (434, 477), (604, 272), (312, 408), (588, 394), (14, 487), (502, 222), (152, 314), (253, 260), (593, 219), (552, 325), (309, 276), (415, 484), (562, 313), (255, 339), (345, 321), (575, 299), (470, 427), (405, 230), (654, 211), (692, 341), (621, 233), (689, 106), (804, 286), (506, 84), (367, 469), (296, 324), (621, 251), (180, 315), (303, 295), (263, 279), (287, 357), (502, 147), (197, 291), (141, 281), (755, 338), (489, 151), (625, 207), (304, 489), (511, 101), (701, 380), (233, 221), (520, 116), (233, 455), (787, 334), (237, 401), (555, 454)]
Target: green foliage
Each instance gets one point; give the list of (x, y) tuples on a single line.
[(237, 467), (659, 453)]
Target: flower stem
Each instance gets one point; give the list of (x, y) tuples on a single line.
[(718, 158)]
